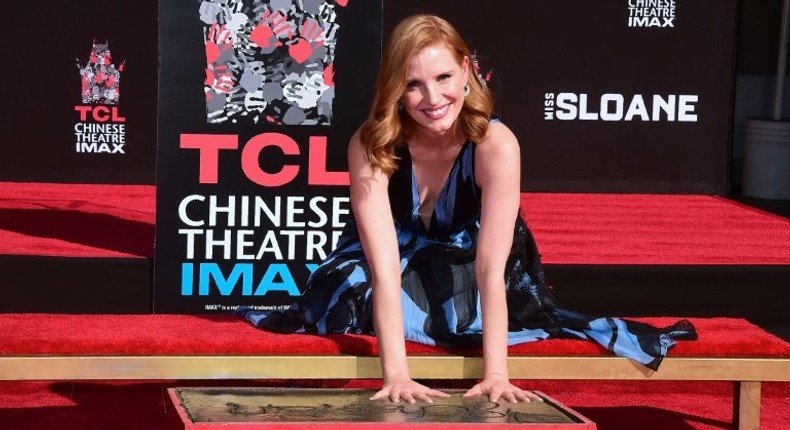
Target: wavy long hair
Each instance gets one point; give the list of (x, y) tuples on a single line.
[(386, 125)]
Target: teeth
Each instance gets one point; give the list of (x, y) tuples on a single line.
[(437, 112)]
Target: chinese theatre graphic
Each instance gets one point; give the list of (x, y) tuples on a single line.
[(270, 61), (101, 128)]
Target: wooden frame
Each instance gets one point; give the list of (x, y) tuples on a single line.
[(80, 367), (747, 373)]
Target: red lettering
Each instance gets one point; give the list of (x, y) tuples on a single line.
[(101, 113), (83, 110), (252, 150), (116, 117), (209, 146), (316, 165)]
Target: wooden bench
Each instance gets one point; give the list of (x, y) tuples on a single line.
[(182, 347)]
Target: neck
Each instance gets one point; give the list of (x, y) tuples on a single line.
[(435, 141)]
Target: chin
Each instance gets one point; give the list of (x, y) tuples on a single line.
[(440, 126), (442, 129)]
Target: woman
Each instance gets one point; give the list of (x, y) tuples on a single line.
[(435, 251)]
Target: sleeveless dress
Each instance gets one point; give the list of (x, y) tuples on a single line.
[(441, 303)]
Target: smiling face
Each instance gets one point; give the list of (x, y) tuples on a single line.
[(434, 93)]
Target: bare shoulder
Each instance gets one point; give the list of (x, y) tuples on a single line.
[(359, 165), (499, 145), (356, 152), (355, 143)]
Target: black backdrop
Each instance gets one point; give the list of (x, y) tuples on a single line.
[(575, 80), (537, 53), (535, 48), (42, 88)]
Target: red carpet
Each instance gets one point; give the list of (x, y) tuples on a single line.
[(118, 220), (135, 405), (194, 334), (631, 405), (654, 229), (77, 220)]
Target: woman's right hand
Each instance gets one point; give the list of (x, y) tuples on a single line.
[(406, 389)]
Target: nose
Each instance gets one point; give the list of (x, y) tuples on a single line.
[(433, 94)]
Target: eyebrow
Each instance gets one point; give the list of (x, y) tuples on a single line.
[(412, 79)]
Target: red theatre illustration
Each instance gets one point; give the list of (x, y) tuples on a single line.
[(269, 61), (101, 79)]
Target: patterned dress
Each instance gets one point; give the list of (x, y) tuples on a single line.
[(441, 303)]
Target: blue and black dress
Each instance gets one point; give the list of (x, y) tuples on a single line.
[(441, 303)]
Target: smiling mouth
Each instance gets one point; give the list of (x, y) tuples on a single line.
[(436, 113)]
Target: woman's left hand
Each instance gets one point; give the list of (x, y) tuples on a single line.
[(499, 387)]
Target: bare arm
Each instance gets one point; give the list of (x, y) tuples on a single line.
[(371, 207), (498, 171)]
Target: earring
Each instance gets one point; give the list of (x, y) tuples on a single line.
[(400, 105), (467, 90)]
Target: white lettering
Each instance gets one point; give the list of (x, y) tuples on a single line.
[(637, 107), (686, 108), (617, 114), (618, 107), (566, 106)]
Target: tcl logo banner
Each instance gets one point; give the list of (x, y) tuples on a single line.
[(258, 100)]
